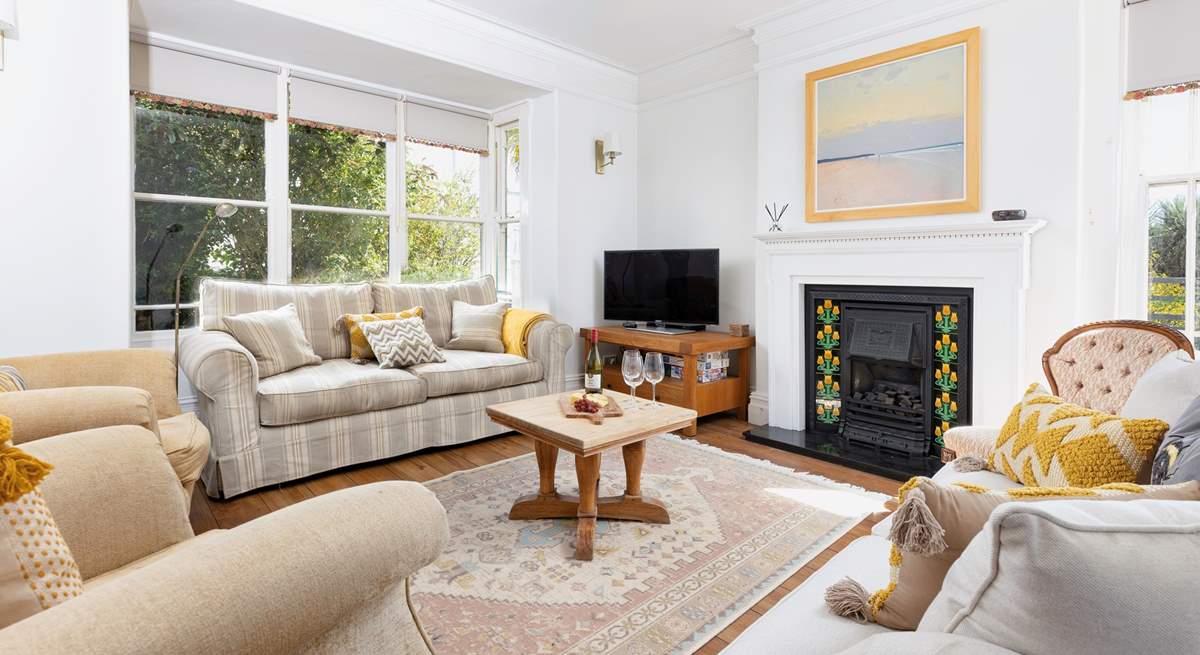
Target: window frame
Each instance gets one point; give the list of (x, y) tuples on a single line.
[(1134, 294), (280, 209)]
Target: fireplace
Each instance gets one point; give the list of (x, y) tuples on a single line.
[(888, 371)]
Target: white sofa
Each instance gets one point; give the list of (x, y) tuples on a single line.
[(338, 413), (801, 622)]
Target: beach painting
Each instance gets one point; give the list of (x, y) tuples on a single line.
[(896, 134)]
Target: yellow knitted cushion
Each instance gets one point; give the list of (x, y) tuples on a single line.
[(359, 348), (1048, 442), (37, 570)]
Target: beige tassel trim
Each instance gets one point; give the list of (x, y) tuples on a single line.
[(967, 464), (914, 528), (848, 598)]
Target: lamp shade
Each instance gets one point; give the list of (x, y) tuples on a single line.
[(8, 18), (612, 143)]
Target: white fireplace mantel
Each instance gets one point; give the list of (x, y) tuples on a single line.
[(990, 258)]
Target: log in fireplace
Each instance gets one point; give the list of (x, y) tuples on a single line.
[(889, 373)]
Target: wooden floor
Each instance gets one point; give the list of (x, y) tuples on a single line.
[(723, 432)]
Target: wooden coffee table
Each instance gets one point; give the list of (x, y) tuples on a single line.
[(541, 419)]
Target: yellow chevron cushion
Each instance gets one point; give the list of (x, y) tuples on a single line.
[(1048, 442), (360, 350)]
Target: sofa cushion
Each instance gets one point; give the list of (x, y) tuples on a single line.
[(319, 307), (337, 387), (947, 475), (436, 299), (1078, 577), (468, 371), (924, 643), (1165, 390), (800, 623), (1049, 442), (275, 338)]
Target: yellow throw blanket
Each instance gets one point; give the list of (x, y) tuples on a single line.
[(514, 331)]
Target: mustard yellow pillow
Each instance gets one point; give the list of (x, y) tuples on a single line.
[(1048, 442), (360, 350), (37, 570)]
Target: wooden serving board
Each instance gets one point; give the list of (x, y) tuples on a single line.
[(609, 410)]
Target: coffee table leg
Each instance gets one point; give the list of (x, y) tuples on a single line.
[(635, 456), (547, 460), (588, 470)]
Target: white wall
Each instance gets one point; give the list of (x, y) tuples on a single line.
[(1032, 149), (65, 179), (696, 183), (595, 212)]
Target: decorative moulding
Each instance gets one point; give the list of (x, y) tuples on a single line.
[(1005, 230), (863, 36)]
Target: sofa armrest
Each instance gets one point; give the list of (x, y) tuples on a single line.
[(971, 440), (113, 495), (143, 368), (278, 584), (39, 413), (225, 376), (549, 342)]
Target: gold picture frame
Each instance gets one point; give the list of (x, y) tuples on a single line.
[(896, 130)]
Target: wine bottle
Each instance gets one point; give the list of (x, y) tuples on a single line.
[(594, 365)]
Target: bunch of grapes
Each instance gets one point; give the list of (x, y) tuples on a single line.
[(585, 405)]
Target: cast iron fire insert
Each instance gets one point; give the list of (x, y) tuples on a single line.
[(889, 373)]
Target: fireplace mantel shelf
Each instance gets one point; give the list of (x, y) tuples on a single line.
[(896, 232)]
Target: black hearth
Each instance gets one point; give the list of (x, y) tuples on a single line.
[(889, 373)]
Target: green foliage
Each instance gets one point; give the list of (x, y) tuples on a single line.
[(183, 151), (1168, 259)]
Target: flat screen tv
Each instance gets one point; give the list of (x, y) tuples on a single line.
[(674, 286)]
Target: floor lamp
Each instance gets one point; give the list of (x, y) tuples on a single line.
[(223, 210)]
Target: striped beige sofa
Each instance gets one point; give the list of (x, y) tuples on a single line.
[(337, 413)]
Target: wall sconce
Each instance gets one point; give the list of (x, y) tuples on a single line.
[(608, 148), (8, 24)]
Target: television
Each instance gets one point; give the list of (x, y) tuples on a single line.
[(677, 287)]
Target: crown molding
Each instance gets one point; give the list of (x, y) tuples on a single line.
[(771, 16), (807, 15), (696, 90), (916, 20), (693, 52), (532, 34)]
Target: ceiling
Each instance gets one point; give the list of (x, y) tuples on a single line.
[(241, 28), (634, 34)]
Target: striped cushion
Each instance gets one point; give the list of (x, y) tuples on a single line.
[(477, 327), (275, 338), (320, 306), (11, 380), (436, 299), (360, 349), (466, 371), (402, 342), (337, 387)]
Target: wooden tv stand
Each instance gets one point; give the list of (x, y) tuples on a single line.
[(732, 393)]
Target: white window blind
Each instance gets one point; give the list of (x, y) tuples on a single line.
[(174, 74), (327, 104), (1162, 45), (443, 127)]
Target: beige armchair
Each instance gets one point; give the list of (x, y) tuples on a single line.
[(327, 575), (77, 391), (1095, 365)]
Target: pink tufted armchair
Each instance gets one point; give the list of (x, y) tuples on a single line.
[(1095, 365)]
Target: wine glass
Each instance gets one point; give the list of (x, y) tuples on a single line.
[(653, 371), (631, 370)]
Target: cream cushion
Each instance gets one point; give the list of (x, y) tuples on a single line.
[(437, 301), (275, 337), (1165, 390), (923, 643), (319, 307), (477, 327), (466, 371), (336, 387), (401, 342), (1074, 577)]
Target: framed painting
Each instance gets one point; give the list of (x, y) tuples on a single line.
[(895, 134)]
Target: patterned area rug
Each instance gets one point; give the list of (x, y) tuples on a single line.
[(739, 527)]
